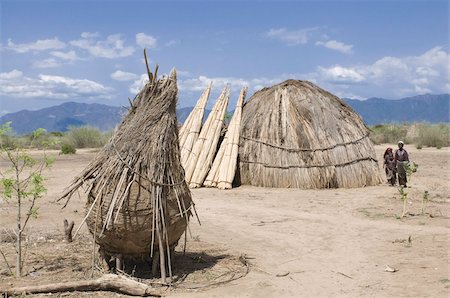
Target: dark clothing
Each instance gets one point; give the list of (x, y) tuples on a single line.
[(401, 155), (390, 168), (402, 160)]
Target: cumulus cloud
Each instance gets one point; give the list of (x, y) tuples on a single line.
[(138, 84), (201, 82), (291, 37), (15, 84), (145, 41), (46, 63), (13, 74), (119, 75), (69, 56), (401, 76), (112, 47), (39, 45), (339, 74), (336, 45)]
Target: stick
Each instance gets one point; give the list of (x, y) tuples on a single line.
[(6, 262), (68, 228), (150, 76), (108, 282)]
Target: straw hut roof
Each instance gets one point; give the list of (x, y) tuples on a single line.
[(296, 134), (137, 199)]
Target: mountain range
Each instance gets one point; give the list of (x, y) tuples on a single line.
[(422, 108)]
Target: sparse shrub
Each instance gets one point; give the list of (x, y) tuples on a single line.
[(84, 137), (67, 149), (433, 135), (429, 135), (388, 133)]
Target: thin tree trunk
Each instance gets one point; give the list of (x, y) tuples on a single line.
[(19, 228)]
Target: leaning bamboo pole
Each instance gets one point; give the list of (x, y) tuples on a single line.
[(223, 169), (190, 130), (201, 157)]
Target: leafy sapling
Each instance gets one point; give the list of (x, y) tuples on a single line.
[(23, 183)]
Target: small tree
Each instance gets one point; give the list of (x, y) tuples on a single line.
[(404, 197), (425, 200), (22, 182)]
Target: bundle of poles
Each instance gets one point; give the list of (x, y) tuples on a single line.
[(206, 162)]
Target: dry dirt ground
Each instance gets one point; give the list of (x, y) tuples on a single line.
[(296, 243)]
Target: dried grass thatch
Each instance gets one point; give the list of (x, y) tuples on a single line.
[(201, 157), (138, 200), (298, 135), (223, 169)]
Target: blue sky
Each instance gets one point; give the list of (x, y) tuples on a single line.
[(91, 51)]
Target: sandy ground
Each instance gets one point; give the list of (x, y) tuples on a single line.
[(298, 243)]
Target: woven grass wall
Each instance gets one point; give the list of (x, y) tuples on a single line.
[(298, 135)]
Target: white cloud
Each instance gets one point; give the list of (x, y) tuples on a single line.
[(15, 84), (336, 45), (39, 45), (13, 74), (291, 37), (46, 63), (145, 41), (69, 56), (119, 75), (201, 82), (339, 74), (112, 47), (139, 84), (90, 35), (392, 76)]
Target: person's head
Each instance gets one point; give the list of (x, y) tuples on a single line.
[(388, 151), (400, 144)]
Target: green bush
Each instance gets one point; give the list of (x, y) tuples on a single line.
[(67, 149), (419, 146), (84, 137)]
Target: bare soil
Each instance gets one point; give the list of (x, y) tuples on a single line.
[(293, 243)]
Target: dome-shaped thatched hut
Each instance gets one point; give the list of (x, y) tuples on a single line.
[(298, 135)]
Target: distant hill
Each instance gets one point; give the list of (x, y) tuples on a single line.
[(427, 108), (421, 108), (59, 118)]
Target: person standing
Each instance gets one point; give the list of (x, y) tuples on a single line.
[(389, 166), (402, 161)]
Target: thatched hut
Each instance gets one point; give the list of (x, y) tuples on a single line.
[(138, 202), (298, 135)]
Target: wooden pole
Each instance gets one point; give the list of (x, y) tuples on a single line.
[(108, 282)]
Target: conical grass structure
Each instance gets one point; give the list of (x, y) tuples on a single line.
[(223, 169), (138, 202), (201, 157), (190, 130), (298, 135)]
